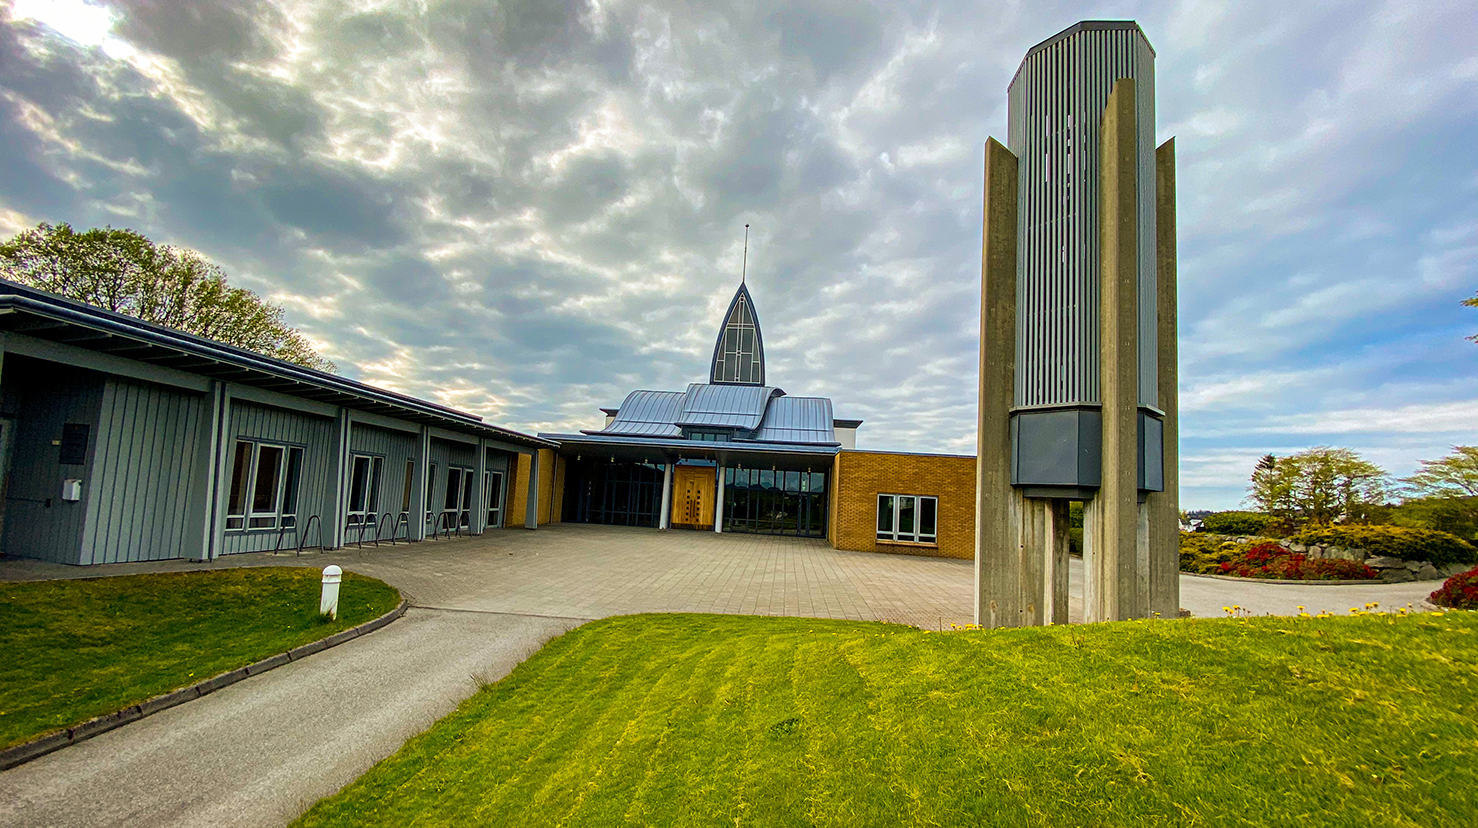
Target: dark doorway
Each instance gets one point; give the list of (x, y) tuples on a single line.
[(613, 493)]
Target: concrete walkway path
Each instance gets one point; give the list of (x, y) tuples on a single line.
[(260, 752)]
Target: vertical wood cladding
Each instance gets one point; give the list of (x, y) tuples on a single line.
[(40, 399), (858, 477), (395, 448), (145, 470), (316, 436)]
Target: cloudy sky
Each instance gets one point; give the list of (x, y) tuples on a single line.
[(528, 209)]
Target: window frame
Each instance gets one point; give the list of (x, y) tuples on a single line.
[(242, 514), (915, 508), (374, 482), (493, 505)]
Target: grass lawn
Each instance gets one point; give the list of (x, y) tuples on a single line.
[(73, 650), (731, 720)]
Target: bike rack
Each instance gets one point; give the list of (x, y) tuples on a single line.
[(303, 535)]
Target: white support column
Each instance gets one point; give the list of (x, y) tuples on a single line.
[(477, 521), (416, 520), (664, 518), (531, 511), (208, 450), (718, 506), (226, 446), (333, 518)]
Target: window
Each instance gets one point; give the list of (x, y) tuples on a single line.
[(265, 480), (908, 518), (365, 473), (405, 492), (430, 490), (493, 485), (458, 496), (709, 436)]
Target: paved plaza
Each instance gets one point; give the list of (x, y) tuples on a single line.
[(582, 572)]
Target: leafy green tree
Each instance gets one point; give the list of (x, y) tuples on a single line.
[(1452, 482), (1321, 485), (123, 271)]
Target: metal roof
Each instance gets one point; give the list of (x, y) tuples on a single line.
[(726, 406), (47, 316), (647, 414), (797, 420)]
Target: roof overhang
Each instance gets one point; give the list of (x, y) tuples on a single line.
[(56, 319), (658, 450)]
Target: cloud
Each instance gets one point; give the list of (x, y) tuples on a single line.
[(528, 209)]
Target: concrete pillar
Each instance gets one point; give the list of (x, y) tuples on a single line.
[(665, 517), (1164, 529), (1112, 556), (997, 503), (531, 505), (718, 504), (417, 517), (226, 448)]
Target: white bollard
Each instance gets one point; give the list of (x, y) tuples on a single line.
[(328, 603)]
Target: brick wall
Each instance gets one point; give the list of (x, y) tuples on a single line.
[(551, 490), (858, 477)]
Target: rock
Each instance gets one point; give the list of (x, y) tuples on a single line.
[(1399, 575), (1416, 565), (1297, 547), (1454, 568), (1316, 552), (1428, 573), (1342, 554), (1385, 562)]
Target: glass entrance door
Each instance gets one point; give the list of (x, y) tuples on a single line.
[(492, 483)]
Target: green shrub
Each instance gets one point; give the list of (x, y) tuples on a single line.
[(1236, 523), (1205, 554), (1395, 541), (1459, 592)]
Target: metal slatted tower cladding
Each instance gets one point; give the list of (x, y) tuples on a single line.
[(1078, 383)]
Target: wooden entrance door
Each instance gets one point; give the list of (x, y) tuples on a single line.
[(693, 490)]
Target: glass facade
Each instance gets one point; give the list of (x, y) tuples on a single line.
[(775, 502), (738, 358), (615, 494)]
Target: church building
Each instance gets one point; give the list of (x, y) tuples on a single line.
[(739, 454)]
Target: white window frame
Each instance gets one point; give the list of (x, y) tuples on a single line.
[(493, 506), (374, 470), (246, 517), (461, 509), (893, 534)]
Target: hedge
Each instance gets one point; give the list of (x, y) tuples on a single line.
[(1236, 523), (1394, 541)]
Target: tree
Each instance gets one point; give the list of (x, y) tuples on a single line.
[(123, 271), (1451, 481), (1321, 485)]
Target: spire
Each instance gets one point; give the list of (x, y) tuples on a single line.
[(739, 353), (744, 267)]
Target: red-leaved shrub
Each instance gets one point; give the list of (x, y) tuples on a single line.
[(1459, 592), (1269, 560)]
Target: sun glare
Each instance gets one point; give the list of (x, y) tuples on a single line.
[(85, 23)]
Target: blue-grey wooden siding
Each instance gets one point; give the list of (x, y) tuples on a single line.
[(143, 472), (317, 437), (396, 447), (40, 397), (444, 454)]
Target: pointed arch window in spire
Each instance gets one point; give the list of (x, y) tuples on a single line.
[(739, 357)]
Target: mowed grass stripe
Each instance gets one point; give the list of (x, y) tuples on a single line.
[(733, 720)]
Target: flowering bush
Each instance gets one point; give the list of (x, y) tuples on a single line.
[(1269, 560), (1459, 592), (1264, 559)]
